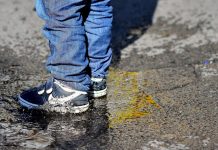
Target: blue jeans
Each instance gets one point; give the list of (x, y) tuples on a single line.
[(79, 35)]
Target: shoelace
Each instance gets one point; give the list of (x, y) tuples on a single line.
[(46, 88)]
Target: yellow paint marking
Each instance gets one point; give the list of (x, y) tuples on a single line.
[(125, 85)]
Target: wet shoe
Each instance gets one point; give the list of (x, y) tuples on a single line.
[(98, 87), (55, 96)]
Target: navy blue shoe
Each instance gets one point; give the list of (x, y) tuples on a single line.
[(55, 96), (98, 87)]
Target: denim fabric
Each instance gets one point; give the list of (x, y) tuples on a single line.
[(79, 35)]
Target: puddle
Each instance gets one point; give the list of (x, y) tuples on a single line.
[(38, 129)]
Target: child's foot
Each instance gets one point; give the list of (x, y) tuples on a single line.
[(98, 87), (55, 96)]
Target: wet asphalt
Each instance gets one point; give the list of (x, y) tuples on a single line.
[(162, 84)]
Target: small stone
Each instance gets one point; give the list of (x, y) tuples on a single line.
[(5, 78)]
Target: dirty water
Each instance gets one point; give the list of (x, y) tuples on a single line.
[(38, 129)]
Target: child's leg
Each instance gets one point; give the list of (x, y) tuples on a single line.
[(98, 30), (66, 34)]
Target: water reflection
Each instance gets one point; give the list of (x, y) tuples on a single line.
[(39, 129)]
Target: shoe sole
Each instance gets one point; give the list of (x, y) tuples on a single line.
[(73, 110), (60, 109), (97, 94)]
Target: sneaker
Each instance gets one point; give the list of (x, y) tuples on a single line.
[(98, 87), (55, 96)]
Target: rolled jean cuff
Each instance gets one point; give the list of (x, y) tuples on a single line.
[(80, 86)]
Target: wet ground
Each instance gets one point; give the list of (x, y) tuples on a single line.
[(162, 86)]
